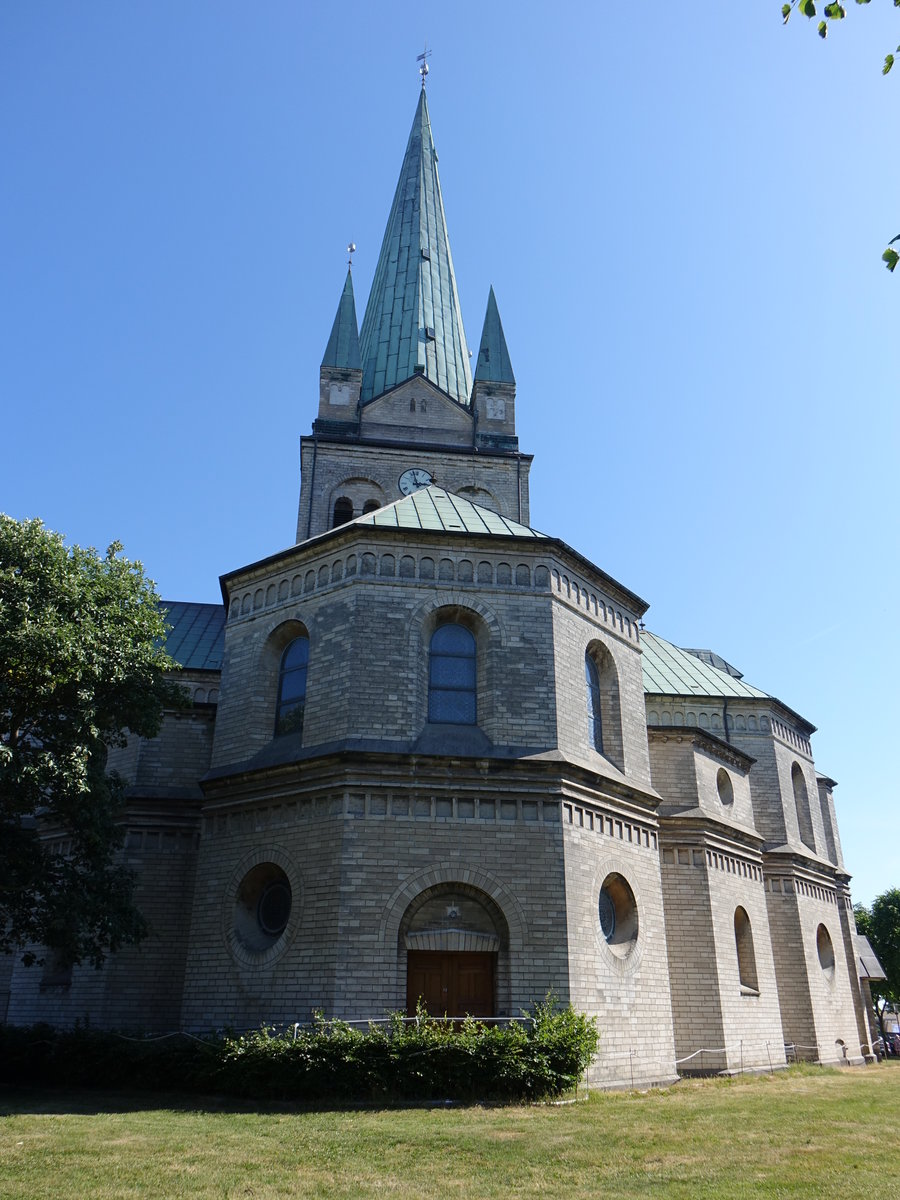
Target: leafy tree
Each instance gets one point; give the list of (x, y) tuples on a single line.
[(881, 925), (80, 665), (837, 12)]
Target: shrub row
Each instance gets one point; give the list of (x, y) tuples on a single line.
[(330, 1061)]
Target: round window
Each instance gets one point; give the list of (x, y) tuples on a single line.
[(607, 915), (262, 907), (825, 950), (618, 915), (274, 907), (725, 787)]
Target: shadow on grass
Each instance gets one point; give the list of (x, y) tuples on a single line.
[(64, 1101), (68, 1101)]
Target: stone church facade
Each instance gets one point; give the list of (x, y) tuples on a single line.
[(434, 755)]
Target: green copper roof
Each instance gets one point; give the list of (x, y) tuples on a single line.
[(343, 345), (412, 323), (493, 365), (671, 671), (432, 508), (196, 639)]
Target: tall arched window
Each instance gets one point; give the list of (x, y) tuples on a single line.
[(343, 512), (743, 942), (603, 709), (595, 719), (451, 676), (292, 687), (801, 803)]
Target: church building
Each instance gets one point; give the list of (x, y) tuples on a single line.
[(435, 757)]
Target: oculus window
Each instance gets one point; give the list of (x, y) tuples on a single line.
[(725, 788), (451, 676), (617, 914), (262, 907)]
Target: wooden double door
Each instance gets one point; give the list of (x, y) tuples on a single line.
[(454, 983)]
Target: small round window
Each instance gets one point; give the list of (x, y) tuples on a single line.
[(262, 907), (607, 915), (274, 907), (618, 915), (825, 951), (725, 787)]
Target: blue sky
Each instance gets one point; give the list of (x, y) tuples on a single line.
[(681, 212)]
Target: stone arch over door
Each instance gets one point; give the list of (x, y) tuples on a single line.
[(456, 924)]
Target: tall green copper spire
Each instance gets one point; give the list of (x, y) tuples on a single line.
[(343, 344), (412, 324), (493, 365)]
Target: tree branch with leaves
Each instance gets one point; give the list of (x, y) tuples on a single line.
[(837, 12), (881, 925), (81, 667)]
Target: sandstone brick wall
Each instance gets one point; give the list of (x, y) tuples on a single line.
[(751, 1023), (848, 930), (369, 613), (139, 988), (180, 755), (692, 957), (577, 629), (707, 875), (627, 992), (358, 852), (817, 1008), (776, 750), (829, 817)]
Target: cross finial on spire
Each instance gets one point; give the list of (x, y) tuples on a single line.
[(351, 250), (423, 59)]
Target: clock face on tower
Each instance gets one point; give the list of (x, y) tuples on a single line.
[(413, 479)]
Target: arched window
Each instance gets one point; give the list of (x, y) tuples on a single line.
[(825, 951), (801, 803), (603, 709), (743, 941), (343, 512), (595, 720), (292, 687), (371, 506), (451, 676)]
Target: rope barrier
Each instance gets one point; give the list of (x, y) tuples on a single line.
[(752, 1055)]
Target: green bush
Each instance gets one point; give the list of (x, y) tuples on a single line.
[(330, 1061)]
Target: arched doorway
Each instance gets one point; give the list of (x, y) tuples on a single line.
[(456, 942)]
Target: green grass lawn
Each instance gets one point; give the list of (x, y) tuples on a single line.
[(804, 1132)]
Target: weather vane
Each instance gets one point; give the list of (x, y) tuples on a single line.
[(351, 248), (423, 59)]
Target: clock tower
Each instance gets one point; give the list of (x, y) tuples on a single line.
[(399, 408)]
